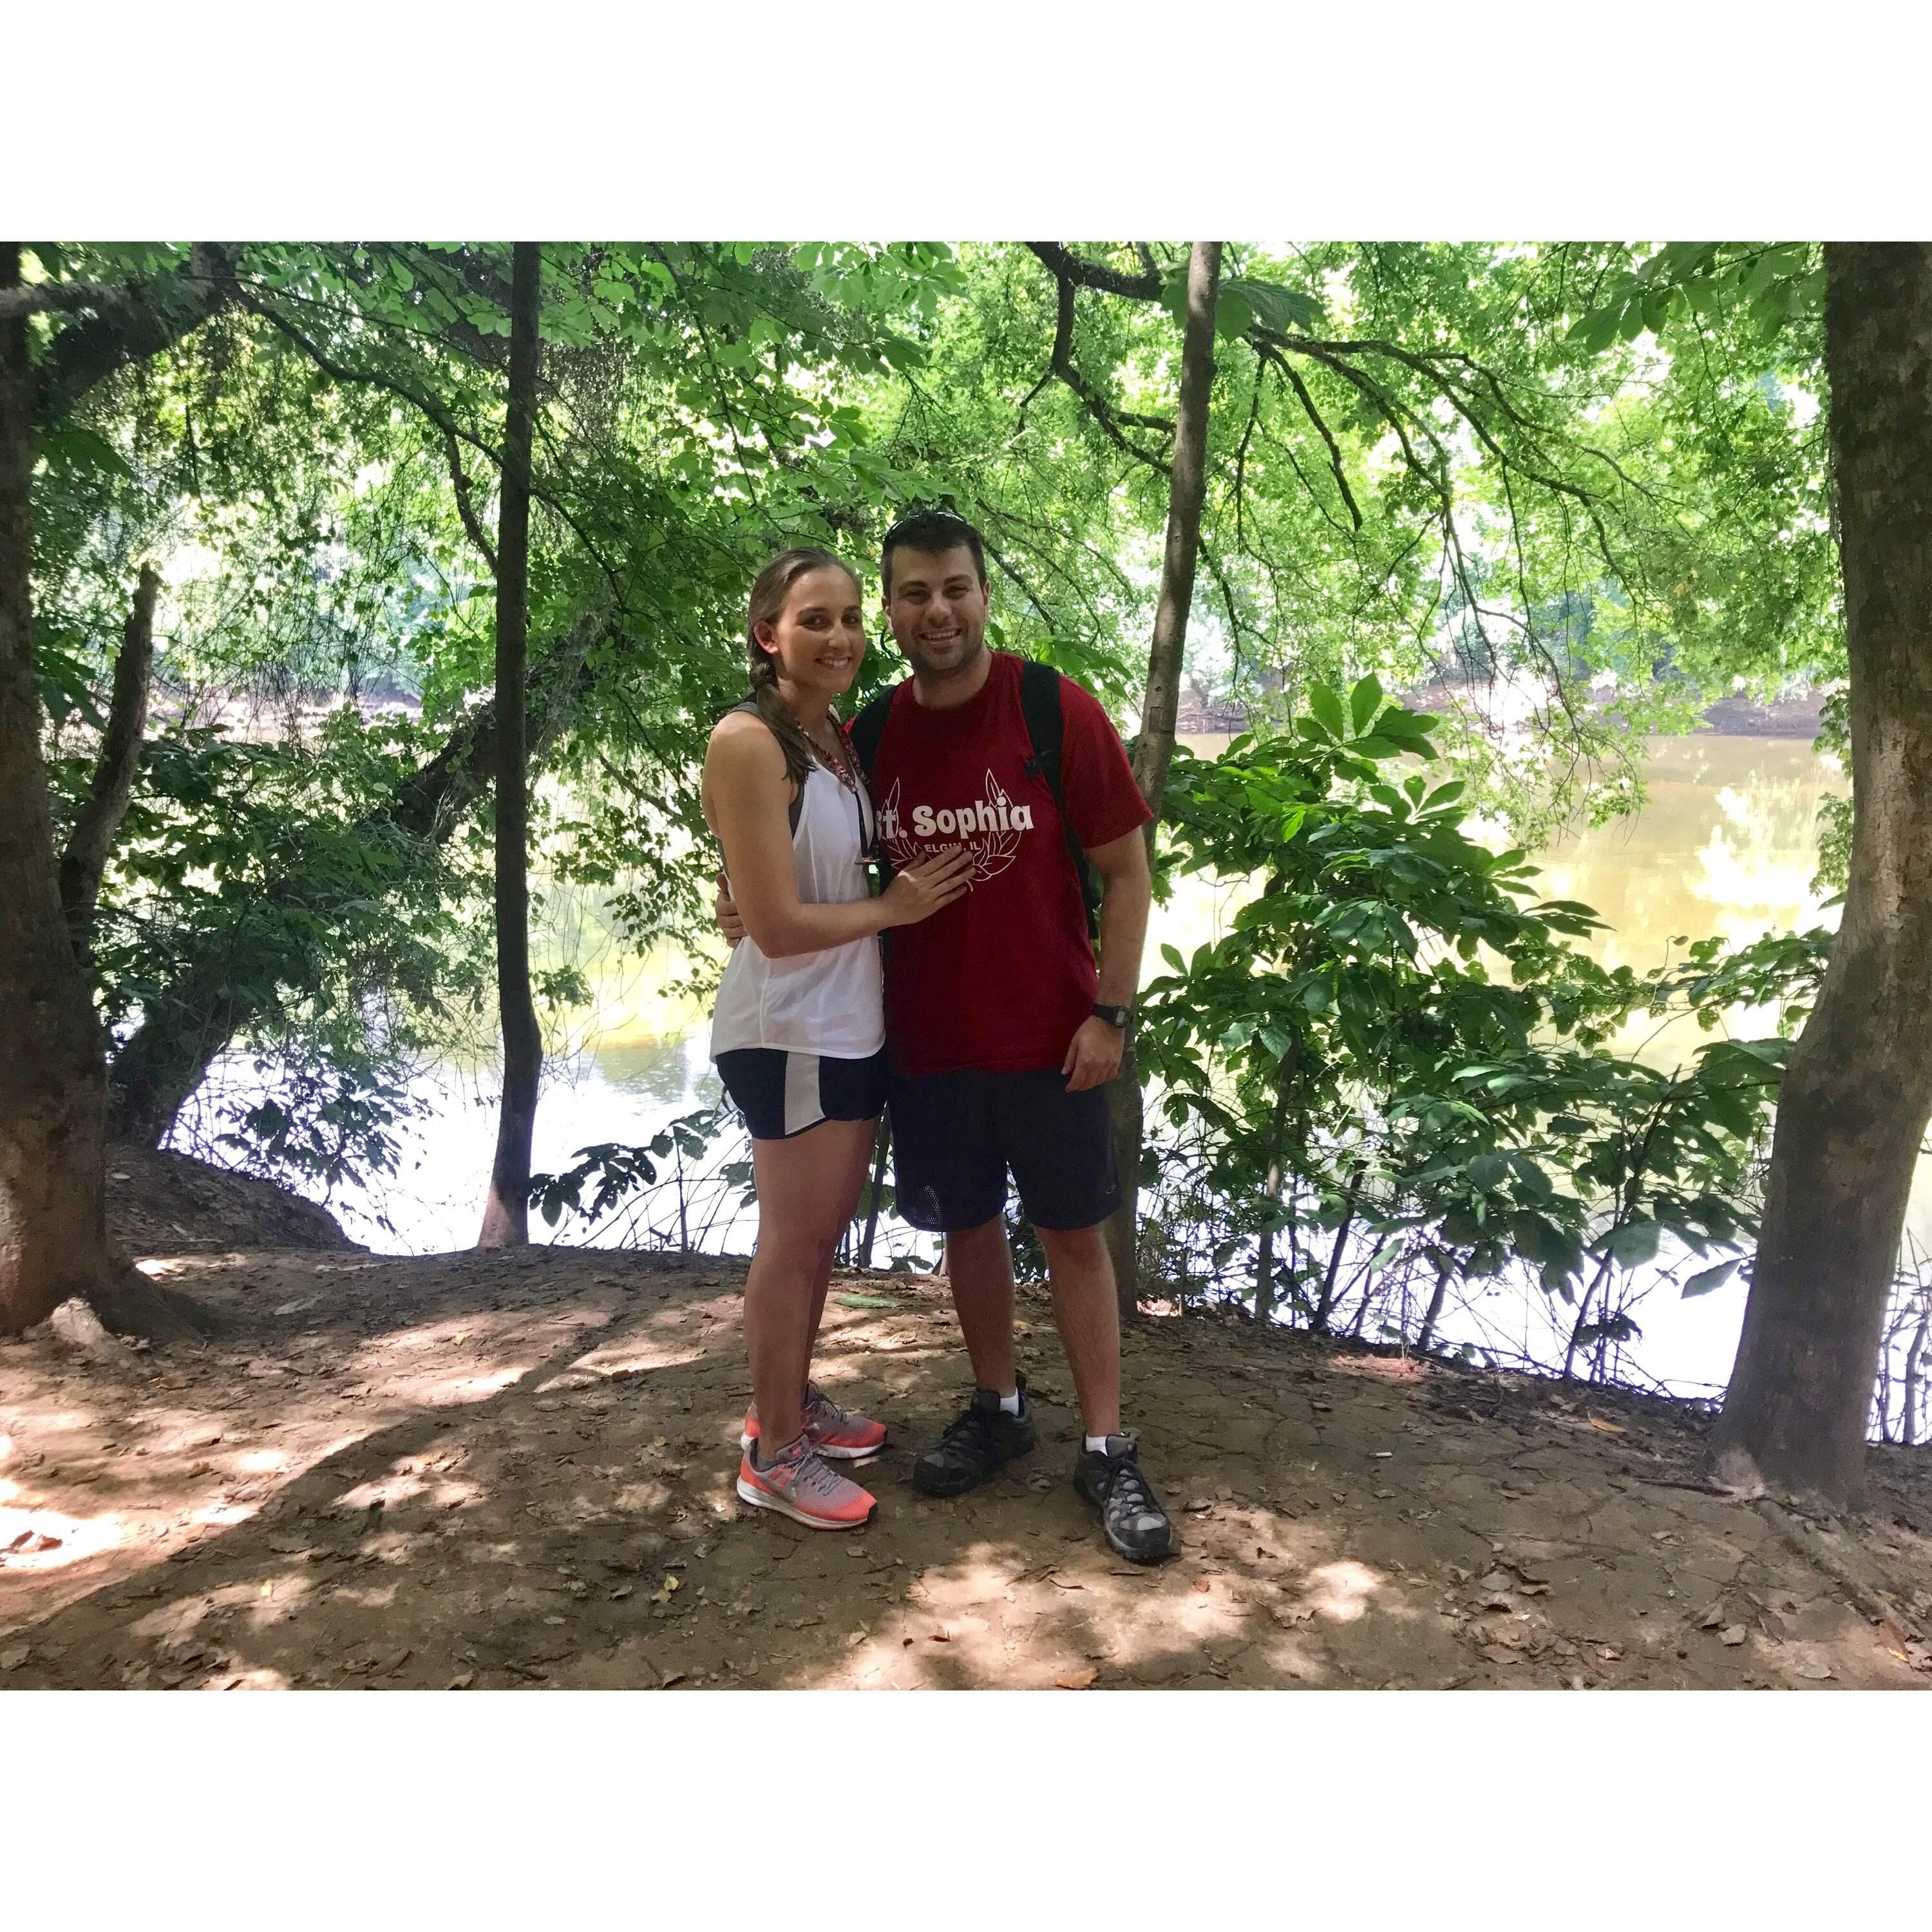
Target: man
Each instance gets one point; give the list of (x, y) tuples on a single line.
[(1000, 1035)]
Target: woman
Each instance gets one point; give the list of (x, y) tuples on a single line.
[(799, 1030)]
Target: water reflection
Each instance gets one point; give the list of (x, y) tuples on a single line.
[(1727, 845)]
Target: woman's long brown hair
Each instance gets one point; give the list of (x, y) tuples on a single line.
[(769, 589)]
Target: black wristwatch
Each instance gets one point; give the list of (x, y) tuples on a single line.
[(1114, 1016)]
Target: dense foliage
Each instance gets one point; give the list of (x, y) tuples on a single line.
[(1571, 491)]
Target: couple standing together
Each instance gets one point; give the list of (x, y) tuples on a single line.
[(996, 783)]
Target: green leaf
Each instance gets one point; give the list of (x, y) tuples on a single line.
[(1708, 1279), (865, 1301), (1234, 315), (1325, 705), (1634, 1243), (1173, 958), (1285, 310), (1364, 701)]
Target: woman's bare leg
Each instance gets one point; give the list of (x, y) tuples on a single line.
[(857, 1187), (808, 1187)]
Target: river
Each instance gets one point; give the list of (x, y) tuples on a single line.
[(1727, 845)]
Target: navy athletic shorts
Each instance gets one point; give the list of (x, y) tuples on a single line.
[(955, 1135), (780, 1093)]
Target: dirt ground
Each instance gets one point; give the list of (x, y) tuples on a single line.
[(484, 1471), (163, 1203)]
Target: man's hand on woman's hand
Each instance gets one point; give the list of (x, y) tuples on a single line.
[(915, 894)]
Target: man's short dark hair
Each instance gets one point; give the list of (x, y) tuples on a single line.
[(931, 532)]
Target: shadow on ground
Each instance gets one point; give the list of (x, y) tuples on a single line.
[(502, 1470)]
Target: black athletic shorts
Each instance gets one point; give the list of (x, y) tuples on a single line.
[(956, 1134), (780, 1093)]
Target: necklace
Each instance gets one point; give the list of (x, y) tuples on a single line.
[(838, 764), (835, 763)]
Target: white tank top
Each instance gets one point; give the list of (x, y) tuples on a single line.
[(830, 1003)]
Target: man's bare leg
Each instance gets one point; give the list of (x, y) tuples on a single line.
[(1088, 1317), (979, 1265)]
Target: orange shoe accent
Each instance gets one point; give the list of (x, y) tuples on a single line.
[(839, 1435), (797, 1484)]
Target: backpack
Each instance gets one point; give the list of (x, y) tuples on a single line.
[(1046, 726)]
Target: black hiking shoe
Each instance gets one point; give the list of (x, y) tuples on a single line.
[(1132, 1519), (977, 1441)]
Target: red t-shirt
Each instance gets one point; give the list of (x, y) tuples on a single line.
[(1001, 980)]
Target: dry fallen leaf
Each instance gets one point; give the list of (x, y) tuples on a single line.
[(1202, 1584), (1082, 1679), (1817, 1672), (1733, 1634), (1609, 1428)]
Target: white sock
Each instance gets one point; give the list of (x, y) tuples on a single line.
[(1009, 1404), (1096, 1445)]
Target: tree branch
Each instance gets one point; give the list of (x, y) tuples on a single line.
[(146, 318), (1064, 266), (1060, 364), (61, 297), (92, 837), (1293, 377), (465, 509), (378, 379)]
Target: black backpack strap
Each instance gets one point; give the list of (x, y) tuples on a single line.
[(867, 728), (797, 805), (1046, 727), (863, 734)]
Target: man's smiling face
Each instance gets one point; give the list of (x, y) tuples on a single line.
[(937, 607)]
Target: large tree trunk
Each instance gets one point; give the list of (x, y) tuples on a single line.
[(92, 837), (1852, 1109), (53, 1202), (1154, 749), (506, 1213)]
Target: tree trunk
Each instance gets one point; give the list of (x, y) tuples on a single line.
[(1444, 1267), (1325, 1309), (1284, 1091), (506, 1213), (1908, 1434), (1853, 1107), (53, 1200), (1154, 749), (92, 837)]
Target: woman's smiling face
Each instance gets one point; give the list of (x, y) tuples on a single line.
[(818, 640)]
